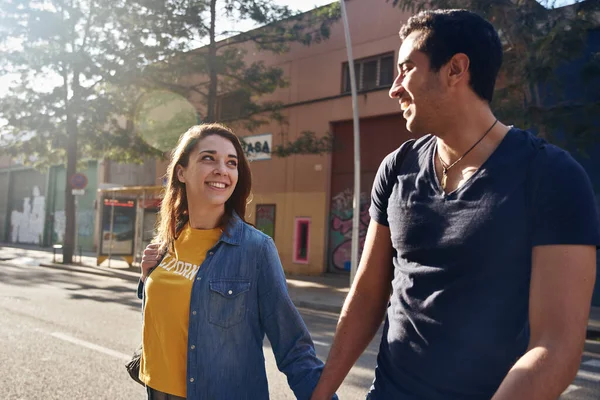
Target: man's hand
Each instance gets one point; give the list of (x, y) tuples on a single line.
[(150, 259), (363, 310)]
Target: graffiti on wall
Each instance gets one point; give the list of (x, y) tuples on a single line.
[(340, 228), (85, 224), (27, 226), (265, 219)]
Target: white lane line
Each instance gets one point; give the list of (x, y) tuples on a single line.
[(319, 313), (571, 389), (91, 346), (592, 363), (318, 343), (590, 376)]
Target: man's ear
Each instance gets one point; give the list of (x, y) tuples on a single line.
[(179, 173), (458, 69)]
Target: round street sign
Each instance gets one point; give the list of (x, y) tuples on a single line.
[(78, 181)]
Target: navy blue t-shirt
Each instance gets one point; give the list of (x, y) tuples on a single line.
[(458, 314)]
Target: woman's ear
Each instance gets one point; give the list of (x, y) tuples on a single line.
[(179, 172)]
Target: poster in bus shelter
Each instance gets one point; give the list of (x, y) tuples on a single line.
[(123, 227)]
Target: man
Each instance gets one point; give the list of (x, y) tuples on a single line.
[(484, 234)]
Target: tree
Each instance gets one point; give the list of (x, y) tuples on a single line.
[(219, 70), (86, 71), (72, 59), (539, 40)]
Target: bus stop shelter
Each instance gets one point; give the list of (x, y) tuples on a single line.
[(128, 217)]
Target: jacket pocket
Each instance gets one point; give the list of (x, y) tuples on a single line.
[(227, 301)]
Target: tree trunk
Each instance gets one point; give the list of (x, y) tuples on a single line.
[(69, 240), (211, 106)]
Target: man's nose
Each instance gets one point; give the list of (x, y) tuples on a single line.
[(397, 88)]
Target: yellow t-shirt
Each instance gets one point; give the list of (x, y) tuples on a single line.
[(166, 315)]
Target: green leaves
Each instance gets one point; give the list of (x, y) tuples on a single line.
[(95, 59), (307, 143)]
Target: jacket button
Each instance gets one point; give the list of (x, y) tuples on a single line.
[(192, 347), (192, 380), (230, 292), (193, 312), (210, 253)]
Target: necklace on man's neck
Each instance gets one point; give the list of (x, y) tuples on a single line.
[(446, 167)]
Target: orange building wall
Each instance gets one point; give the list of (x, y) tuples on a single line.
[(300, 185)]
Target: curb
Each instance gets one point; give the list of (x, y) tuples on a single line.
[(127, 276), (592, 331)]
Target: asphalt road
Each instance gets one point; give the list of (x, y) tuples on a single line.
[(66, 335)]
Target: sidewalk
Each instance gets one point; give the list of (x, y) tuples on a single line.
[(323, 293)]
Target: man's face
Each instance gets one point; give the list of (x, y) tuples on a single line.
[(417, 87)]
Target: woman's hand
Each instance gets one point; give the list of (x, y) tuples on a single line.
[(150, 259)]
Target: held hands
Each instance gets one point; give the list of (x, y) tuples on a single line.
[(150, 259)]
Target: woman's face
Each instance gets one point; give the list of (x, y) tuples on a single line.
[(212, 172)]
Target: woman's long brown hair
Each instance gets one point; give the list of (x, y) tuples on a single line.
[(174, 209)]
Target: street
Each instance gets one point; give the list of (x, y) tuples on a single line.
[(67, 335)]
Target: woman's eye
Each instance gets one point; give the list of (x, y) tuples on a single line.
[(233, 163), (210, 158)]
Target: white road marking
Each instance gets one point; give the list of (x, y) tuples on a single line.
[(91, 346), (571, 389), (319, 343), (592, 363), (24, 261), (319, 313), (590, 376)]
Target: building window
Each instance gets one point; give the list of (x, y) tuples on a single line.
[(371, 73), (265, 219), (301, 240), (233, 105)]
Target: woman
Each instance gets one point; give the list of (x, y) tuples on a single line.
[(220, 286)]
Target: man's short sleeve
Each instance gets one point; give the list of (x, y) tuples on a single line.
[(384, 183), (564, 205)]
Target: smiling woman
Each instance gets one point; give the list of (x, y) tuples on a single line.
[(219, 287), (207, 180)]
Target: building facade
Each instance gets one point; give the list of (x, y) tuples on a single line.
[(32, 202), (305, 201)]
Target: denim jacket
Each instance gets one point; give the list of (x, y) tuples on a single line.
[(240, 294)]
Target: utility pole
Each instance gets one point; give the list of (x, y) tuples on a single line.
[(356, 123)]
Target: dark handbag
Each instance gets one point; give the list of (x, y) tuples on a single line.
[(133, 366)]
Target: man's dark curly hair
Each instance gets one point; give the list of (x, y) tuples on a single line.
[(449, 32)]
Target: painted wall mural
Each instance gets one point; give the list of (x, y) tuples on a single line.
[(265, 219), (85, 224), (60, 224), (340, 228), (27, 226)]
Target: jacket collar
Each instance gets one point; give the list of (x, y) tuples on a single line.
[(235, 229)]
